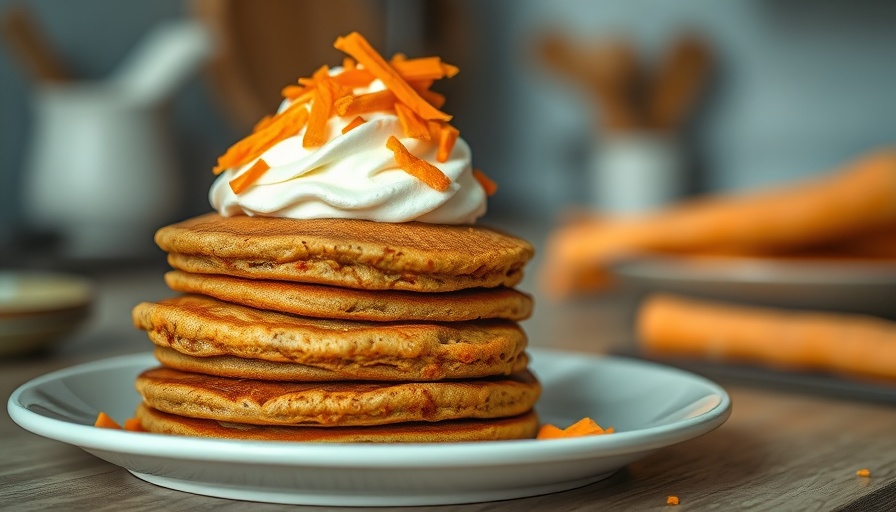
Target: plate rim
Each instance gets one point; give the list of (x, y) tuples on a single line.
[(410, 455)]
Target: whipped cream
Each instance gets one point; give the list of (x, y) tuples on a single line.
[(354, 175)]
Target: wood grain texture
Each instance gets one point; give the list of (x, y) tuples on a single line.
[(778, 451)]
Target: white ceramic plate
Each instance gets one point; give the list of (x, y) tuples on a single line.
[(649, 405), (836, 285)]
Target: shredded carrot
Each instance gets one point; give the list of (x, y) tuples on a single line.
[(316, 131), (354, 78), (293, 91), (487, 183), (250, 176), (411, 123), (133, 425), (104, 421), (447, 137), (434, 128), (356, 46), (672, 500), (348, 64), (420, 169), (864, 472), (356, 122), (366, 103), (426, 68), (584, 427), (262, 123), (283, 125)]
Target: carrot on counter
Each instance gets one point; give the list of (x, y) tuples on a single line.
[(859, 198), (672, 500), (488, 185), (584, 427), (104, 421), (357, 47), (864, 472), (420, 169), (851, 344), (250, 176)]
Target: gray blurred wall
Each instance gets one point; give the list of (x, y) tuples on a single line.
[(801, 86)]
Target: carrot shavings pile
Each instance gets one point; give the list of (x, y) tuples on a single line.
[(315, 100), (583, 427), (104, 421)]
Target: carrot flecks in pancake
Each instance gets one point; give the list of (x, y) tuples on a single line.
[(420, 169)]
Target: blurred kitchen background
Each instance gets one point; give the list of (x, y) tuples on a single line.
[(113, 112), (785, 89)]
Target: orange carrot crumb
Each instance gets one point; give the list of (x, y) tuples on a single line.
[(672, 500), (357, 47), (420, 169), (356, 122), (864, 472), (548, 431), (584, 427), (133, 425), (488, 185), (250, 176), (447, 137), (104, 421), (412, 125)]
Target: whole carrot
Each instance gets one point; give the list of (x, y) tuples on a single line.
[(800, 340), (860, 198)]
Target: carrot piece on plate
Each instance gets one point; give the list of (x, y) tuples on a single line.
[(133, 425), (104, 421)]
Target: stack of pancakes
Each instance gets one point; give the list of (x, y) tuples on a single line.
[(339, 330)]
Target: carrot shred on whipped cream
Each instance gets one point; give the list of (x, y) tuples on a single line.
[(366, 84)]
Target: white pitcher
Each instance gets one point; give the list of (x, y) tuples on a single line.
[(100, 169)]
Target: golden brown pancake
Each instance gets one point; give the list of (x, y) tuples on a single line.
[(332, 404), (243, 368), (197, 325), (351, 253), (322, 301), (517, 427)]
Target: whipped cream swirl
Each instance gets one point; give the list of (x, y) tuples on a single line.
[(354, 175)]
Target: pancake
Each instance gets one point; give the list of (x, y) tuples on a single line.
[(331, 404), (523, 426), (332, 302), (202, 326), (243, 368), (351, 253)]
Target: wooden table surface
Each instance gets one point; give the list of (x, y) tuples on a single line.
[(780, 450)]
